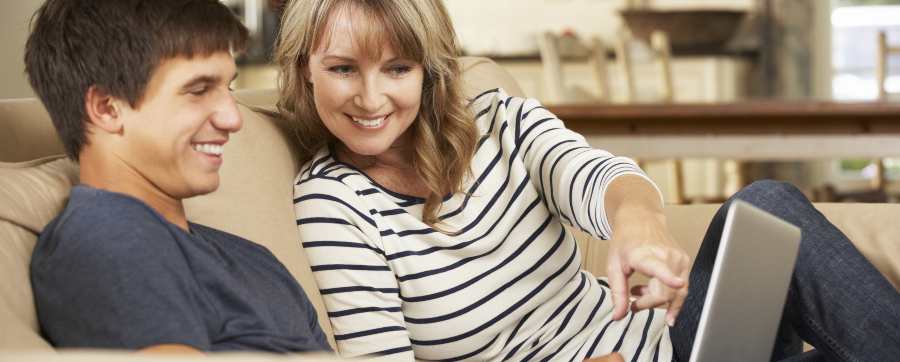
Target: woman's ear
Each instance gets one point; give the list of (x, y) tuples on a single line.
[(103, 110)]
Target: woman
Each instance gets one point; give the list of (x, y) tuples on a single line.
[(433, 236)]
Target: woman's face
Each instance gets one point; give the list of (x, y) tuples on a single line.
[(368, 104)]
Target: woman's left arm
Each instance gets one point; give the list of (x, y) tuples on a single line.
[(599, 193), (641, 242)]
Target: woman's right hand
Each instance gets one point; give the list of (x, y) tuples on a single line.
[(614, 357)]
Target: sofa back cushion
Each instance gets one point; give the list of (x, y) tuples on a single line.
[(874, 230), (255, 194), (32, 193), (27, 133)]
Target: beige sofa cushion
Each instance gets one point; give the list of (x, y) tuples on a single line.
[(254, 199), (874, 229), (27, 133), (32, 193), (481, 74)]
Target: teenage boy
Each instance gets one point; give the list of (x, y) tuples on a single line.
[(138, 91)]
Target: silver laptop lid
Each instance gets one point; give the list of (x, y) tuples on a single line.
[(748, 287)]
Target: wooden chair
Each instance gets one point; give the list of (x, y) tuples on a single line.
[(555, 90), (882, 61), (662, 53)]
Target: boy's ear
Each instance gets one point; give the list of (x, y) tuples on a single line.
[(103, 110)]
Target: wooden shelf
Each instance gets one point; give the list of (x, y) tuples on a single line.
[(747, 118)]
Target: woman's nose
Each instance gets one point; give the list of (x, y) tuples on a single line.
[(371, 96)]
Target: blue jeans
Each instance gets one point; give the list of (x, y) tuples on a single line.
[(838, 302)]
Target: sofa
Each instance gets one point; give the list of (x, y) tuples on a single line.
[(255, 202)]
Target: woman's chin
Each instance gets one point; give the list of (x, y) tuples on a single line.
[(366, 150)]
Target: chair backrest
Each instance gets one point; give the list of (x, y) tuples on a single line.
[(661, 53), (551, 67), (882, 63), (556, 91), (879, 180)]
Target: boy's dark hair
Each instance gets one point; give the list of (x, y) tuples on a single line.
[(116, 45)]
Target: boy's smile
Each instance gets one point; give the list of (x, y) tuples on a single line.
[(174, 138)]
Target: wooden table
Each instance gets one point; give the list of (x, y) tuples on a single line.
[(752, 130)]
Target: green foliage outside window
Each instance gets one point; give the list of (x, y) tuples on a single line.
[(840, 3), (854, 165)]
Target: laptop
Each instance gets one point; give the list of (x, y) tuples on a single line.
[(748, 287)]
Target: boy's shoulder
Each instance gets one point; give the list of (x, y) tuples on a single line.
[(101, 223)]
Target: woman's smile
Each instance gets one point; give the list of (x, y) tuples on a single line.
[(371, 122)]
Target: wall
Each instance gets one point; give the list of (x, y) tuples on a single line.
[(511, 26), (803, 49), (14, 17)]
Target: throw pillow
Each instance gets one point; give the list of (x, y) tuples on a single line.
[(31, 194)]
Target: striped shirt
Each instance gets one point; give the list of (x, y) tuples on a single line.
[(509, 286)]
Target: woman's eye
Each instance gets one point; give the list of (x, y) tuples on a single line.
[(398, 70), (341, 69)]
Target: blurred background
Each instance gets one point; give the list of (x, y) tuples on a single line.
[(708, 95)]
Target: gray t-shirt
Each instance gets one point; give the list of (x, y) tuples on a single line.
[(110, 272)]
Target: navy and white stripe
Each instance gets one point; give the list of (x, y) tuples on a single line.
[(509, 286)]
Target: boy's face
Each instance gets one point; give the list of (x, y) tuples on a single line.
[(175, 137)]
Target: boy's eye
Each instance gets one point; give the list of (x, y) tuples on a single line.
[(198, 91)]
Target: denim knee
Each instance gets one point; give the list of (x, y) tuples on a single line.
[(771, 195), (767, 191)]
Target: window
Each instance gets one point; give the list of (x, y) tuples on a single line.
[(855, 26)]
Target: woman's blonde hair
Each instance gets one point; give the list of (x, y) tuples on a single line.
[(444, 134)]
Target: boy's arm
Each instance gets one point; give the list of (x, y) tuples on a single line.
[(171, 349)]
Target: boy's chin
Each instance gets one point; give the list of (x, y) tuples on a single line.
[(202, 187)]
